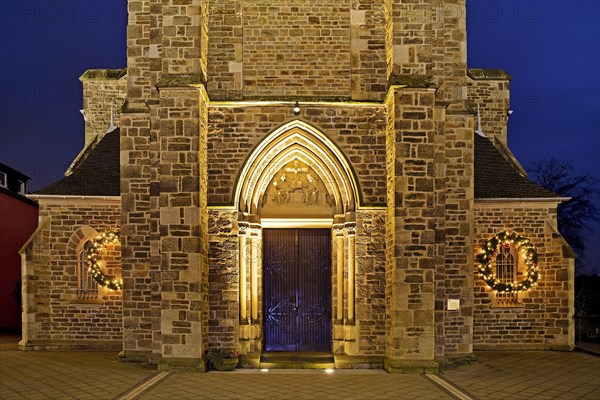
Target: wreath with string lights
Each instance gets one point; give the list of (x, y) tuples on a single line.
[(491, 250), (100, 244)]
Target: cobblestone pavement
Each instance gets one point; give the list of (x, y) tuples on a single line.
[(496, 375)]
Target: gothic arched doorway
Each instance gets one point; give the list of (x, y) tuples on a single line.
[(296, 199)]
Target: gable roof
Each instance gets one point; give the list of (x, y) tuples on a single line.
[(497, 178), (97, 175)]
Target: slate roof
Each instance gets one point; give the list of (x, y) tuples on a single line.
[(96, 175), (497, 178)]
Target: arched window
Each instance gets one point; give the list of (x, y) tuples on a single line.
[(505, 265), (506, 272), (87, 288)]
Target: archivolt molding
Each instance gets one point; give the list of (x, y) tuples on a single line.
[(80, 236), (296, 140)]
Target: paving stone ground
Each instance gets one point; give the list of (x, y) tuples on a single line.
[(529, 375), (98, 375)]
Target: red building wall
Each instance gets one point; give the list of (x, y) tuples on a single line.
[(18, 220)]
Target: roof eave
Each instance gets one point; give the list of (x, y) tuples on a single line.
[(522, 199), (71, 197)]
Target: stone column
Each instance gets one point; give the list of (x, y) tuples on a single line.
[(457, 281), (410, 235), (351, 229), (138, 190), (339, 238), (183, 227), (140, 252), (250, 265), (243, 230), (255, 264)]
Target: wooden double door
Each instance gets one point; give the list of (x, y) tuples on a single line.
[(297, 289)]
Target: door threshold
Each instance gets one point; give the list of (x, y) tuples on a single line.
[(296, 360)]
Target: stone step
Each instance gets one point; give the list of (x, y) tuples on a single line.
[(296, 360)]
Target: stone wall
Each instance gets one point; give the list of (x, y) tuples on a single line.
[(368, 41), (236, 129), (181, 36), (489, 92), (428, 39), (411, 30), (139, 240), (543, 319), (55, 317), (103, 90), (287, 48), (454, 280), (183, 226), (223, 278), (140, 190), (275, 49), (370, 282), (412, 154), (411, 265)]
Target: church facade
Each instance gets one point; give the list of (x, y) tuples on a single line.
[(297, 176)]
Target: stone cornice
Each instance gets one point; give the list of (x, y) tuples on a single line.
[(480, 74), (103, 74), (45, 199)]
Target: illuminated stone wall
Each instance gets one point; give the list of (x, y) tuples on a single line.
[(386, 83), (234, 130), (542, 318), (274, 49), (55, 317)]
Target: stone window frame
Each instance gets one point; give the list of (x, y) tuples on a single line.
[(511, 263), (87, 287), (76, 244)]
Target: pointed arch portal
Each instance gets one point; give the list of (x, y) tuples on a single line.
[(300, 141), (296, 178)]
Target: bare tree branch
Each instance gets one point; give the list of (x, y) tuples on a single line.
[(575, 217)]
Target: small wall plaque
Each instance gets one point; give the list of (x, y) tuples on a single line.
[(453, 304)]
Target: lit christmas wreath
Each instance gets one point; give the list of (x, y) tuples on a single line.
[(490, 251), (98, 245)]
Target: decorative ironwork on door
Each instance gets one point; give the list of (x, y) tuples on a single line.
[(297, 289)]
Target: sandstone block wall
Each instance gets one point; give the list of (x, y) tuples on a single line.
[(139, 240), (223, 280), (181, 36), (182, 224), (370, 282), (167, 46), (490, 91), (454, 279), (411, 232), (55, 318), (234, 130), (103, 89), (275, 49), (428, 38), (413, 154), (543, 320)]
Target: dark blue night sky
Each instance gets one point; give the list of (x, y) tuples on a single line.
[(551, 48)]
